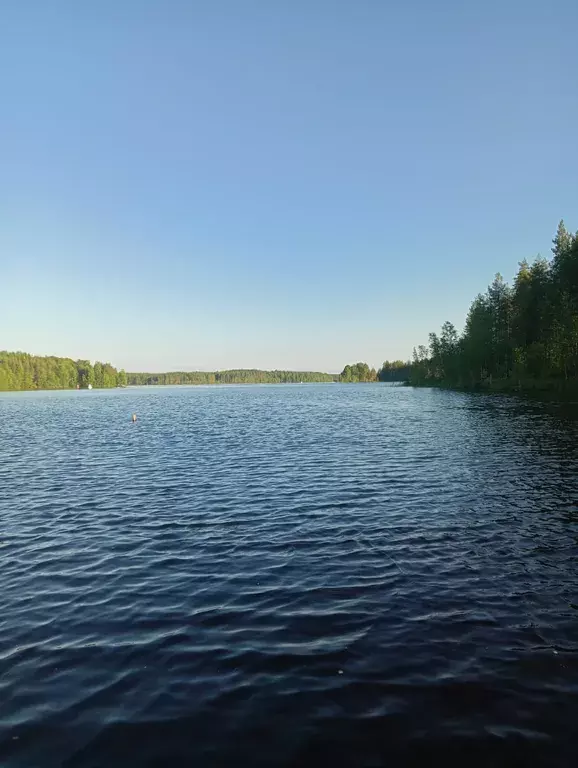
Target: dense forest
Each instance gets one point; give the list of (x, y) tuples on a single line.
[(516, 336), (242, 376), (394, 370), (19, 370), (358, 372)]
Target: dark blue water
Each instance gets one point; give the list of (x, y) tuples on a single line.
[(287, 576)]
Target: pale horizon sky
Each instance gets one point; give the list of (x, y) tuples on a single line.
[(299, 185)]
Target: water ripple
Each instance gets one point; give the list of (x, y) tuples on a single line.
[(304, 575)]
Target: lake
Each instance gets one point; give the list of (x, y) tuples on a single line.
[(336, 575)]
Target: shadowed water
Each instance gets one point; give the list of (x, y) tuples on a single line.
[(337, 575)]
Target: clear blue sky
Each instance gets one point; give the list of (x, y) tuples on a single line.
[(293, 184)]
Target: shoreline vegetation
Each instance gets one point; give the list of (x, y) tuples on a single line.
[(20, 371), (238, 376), (517, 338)]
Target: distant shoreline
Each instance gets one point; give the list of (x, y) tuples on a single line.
[(22, 372), (234, 376)]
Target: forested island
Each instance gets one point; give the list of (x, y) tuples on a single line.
[(518, 337)]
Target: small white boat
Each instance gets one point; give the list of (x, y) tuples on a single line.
[(89, 386)]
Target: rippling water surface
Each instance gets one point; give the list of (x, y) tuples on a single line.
[(332, 575)]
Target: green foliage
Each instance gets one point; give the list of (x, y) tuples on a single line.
[(358, 372), (22, 371), (394, 370), (19, 370), (525, 332), (242, 376)]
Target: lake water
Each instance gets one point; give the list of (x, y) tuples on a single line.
[(317, 575)]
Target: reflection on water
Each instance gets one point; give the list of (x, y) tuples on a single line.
[(287, 575)]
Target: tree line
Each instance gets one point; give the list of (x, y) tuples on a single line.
[(515, 336), (395, 370), (240, 376), (391, 370), (19, 370)]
